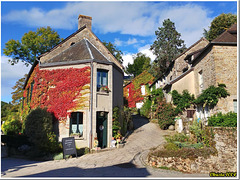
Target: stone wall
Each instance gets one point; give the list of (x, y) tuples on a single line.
[(225, 58), (224, 161), (180, 63)]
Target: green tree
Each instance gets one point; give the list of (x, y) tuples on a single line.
[(140, 63), (5, 110), (32, 44), (115, 52), (219, 25), (167, 46), (17, 94)]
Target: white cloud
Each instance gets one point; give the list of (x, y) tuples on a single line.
[(9, 75), (146, 50), (132, 41), (117, 42), (133, 18), (128, 58), (190, 20)]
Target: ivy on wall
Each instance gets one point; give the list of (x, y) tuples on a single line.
[(209, 96), (59, 90), (132, 92), (182, 101)]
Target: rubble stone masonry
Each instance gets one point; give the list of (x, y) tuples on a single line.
[(224, 161)]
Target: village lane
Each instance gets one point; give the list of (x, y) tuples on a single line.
[(128, 161)]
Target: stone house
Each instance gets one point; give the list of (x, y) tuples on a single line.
[(177, 69), (135, 91), (80, 83), (206, 64)]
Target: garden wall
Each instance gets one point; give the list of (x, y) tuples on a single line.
[(225, 161)]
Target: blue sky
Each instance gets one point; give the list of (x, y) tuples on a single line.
[(129, 25)]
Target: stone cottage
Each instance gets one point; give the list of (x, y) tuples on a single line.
[(179, 68), (202, 65), (137, 89), (80, 82)]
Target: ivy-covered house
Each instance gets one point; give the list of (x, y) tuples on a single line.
[(135, 91), (212, 63), (80, 82)]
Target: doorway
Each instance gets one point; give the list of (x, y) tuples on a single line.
[(101, 129)]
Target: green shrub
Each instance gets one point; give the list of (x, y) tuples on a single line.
[(146, 108), (38, 127), (12, 126), (223, 120), (116, 126), (177, 137), (201, 134), (165, 114), (182, 101), (171, 146)]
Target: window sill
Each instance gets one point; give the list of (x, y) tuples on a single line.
[(103, 93), (78, 138)]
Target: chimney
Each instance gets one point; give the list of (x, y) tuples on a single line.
[(84, 20)]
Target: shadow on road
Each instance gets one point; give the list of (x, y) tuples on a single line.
[(139, 121), (118, 170), (15, 164)]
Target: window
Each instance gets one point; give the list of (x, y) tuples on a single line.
[(200, 76), (27, 95), (235, 106), (190, 113), (143, 89), (32, 84), (102, 78), (76, 123)]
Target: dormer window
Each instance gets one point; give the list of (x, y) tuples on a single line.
[(72, 43)]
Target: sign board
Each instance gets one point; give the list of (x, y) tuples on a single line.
[(69, 147)]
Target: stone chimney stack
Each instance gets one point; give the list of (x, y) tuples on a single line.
[(84, 20)]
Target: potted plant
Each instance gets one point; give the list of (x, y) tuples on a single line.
[(104, 89), (75, 135), (118, 137)]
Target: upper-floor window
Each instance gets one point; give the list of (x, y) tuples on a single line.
[(200, 79), (143, 89), (102, 78)]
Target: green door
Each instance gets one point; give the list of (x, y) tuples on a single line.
[(101, 129)]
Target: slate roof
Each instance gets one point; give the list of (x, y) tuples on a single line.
[(80, 51)]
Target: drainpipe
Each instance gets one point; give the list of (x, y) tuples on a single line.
[(91, 106)]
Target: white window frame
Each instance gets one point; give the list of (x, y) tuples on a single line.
[(143, 90)]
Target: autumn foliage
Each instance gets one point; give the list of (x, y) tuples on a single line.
[(132, 92), (58, 90)]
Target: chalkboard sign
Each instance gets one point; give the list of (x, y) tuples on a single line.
[(69, 147)]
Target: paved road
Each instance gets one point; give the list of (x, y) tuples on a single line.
[(124, 162)]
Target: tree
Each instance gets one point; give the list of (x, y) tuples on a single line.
[(115, 52), (219, 25), (32, 45), (167, 46), (17, 94), (5, 110), (140, 63)]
